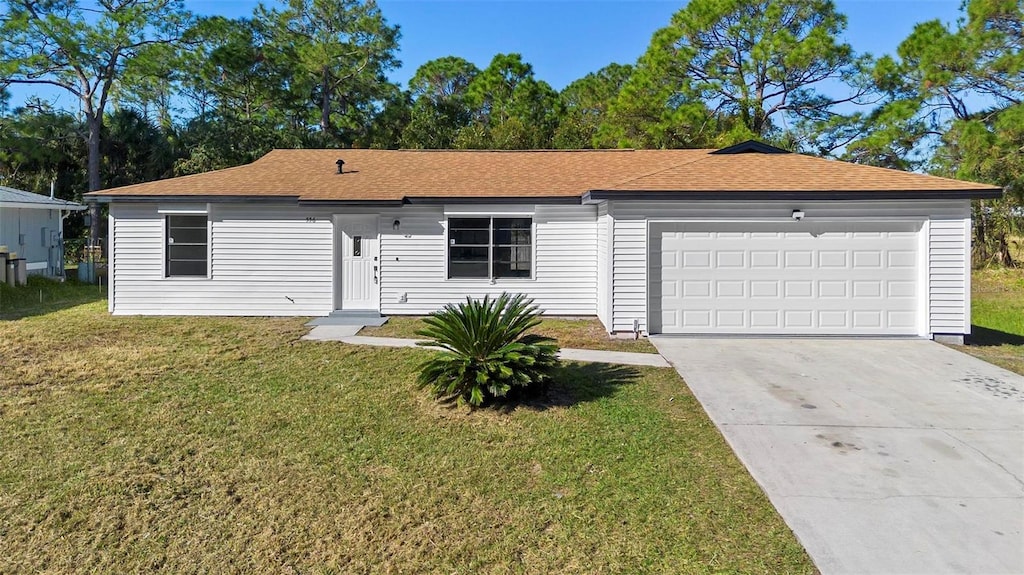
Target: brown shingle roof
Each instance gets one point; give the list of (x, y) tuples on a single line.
[(396, 175)]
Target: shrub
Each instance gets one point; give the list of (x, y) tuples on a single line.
[(486, 350)]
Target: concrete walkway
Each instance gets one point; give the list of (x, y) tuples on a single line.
[(347, 334), (883, 456)]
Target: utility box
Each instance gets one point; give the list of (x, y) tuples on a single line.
[(3, 264)]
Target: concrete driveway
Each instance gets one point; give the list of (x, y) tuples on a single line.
[(883, 456)]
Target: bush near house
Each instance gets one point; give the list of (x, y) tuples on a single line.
[(487, 350)]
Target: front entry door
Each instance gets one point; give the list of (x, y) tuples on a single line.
[(357, 269)]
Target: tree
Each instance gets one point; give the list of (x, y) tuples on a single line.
[(334, 53), (440, 108), (39, 145), (134, 149), (240, 99), (954, 105), (741, 69), (942, 76), (85, 52), (585, 104), (512, 110)]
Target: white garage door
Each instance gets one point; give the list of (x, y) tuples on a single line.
[(786, 278)]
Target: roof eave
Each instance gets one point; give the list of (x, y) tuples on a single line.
[(43, 206), (100, 198), (748, 195)]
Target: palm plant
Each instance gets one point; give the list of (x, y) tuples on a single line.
[(487, 351)]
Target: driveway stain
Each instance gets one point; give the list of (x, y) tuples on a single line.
[(843, 447), (992, 386)]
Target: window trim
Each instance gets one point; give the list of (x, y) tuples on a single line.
[(490, 247), (164, 215)]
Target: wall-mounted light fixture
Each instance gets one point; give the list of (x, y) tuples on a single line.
[(397, 224), (798, 215)]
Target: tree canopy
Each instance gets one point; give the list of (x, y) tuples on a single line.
[(158, 92)]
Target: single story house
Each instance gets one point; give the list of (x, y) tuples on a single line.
[(744, 240), (32, 225)]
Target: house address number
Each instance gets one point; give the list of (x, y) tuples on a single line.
[(311, 220)]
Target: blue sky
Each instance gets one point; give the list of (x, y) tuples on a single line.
[(566, 39)]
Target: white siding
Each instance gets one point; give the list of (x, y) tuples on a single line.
[(604, 296), (260, 257), (948, 247), (413, 261), (263, 255), (948, 275)]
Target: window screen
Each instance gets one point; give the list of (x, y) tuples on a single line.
[(187, 241)]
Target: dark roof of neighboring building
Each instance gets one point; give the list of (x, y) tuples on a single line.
[(387, 176)]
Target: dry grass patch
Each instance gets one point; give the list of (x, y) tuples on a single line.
[(227, 445), (997, 312), (579, 333)]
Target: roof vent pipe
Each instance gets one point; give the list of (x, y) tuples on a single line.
[(341, 165)]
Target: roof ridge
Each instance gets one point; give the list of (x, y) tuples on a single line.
[(660, 170), (456, 151)]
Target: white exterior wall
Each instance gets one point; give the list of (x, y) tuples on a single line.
[(262, 255), (413, 260), (588, 260), (946, 232), (604, 265), (259, 257), (949, 273), (40, 230)]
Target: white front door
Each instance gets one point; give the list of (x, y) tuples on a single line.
[(357, 269), (806, 278)]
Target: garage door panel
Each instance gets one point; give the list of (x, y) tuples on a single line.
[(857, 278)]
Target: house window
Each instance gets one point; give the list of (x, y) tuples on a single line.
[(490, 248), (187, 241)]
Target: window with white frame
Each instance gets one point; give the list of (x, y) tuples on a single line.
[(490, 248), (187, 246)]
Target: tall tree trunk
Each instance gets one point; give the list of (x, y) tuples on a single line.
[(94, 123), (325, 103)]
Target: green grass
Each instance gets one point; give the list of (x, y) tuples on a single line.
[(229, 445), (579, 333), (997, 315), (42, 295)]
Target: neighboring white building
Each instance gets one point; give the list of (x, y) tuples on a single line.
[(745, 240), (32, 225)]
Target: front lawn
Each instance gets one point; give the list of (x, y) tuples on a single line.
[(997, 315), (579, 333), (228, 445)]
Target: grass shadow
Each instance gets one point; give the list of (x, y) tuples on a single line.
[(42, 296), (985, 337), (573, 383)]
